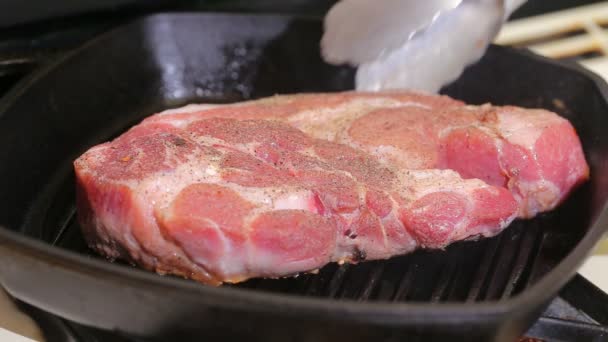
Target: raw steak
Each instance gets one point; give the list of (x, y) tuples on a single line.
[(219, 199), (534, 153)]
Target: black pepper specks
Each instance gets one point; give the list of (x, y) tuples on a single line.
[(179, 141), (359, 255), (349, 233)]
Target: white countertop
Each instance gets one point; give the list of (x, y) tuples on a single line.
[(15, 325)]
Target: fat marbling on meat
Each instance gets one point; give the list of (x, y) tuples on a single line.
[(287, 184)]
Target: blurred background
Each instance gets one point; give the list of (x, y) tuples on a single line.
[(19, 12), (16, 12)]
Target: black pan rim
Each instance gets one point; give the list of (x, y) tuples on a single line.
[(382, 312)]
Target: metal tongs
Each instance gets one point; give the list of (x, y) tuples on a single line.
[(411, 44)]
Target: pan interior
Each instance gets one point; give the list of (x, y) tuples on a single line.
[(170, 61)]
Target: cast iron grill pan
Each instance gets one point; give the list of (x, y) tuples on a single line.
[(488, 289)]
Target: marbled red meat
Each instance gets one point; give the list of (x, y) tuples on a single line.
[(287, 184), (534, 153)]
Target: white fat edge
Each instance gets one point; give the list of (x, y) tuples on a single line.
[(518, 132), (394, 157), (477, 125), (384, 153), (330, 123), (276, 197), (524, 127), (229, 265), (403, 249), (575, 173), (342, 254), (197, 107), (263, 264), (348, 219), (362, 193), (164, 186), (310, 152), (180, 122), (513, 127), (114, 229), (301, 200), (190, 108), (546, 196), (207, 141), (419, 183)]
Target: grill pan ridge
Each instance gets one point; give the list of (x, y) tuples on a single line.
[(492, 289)]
